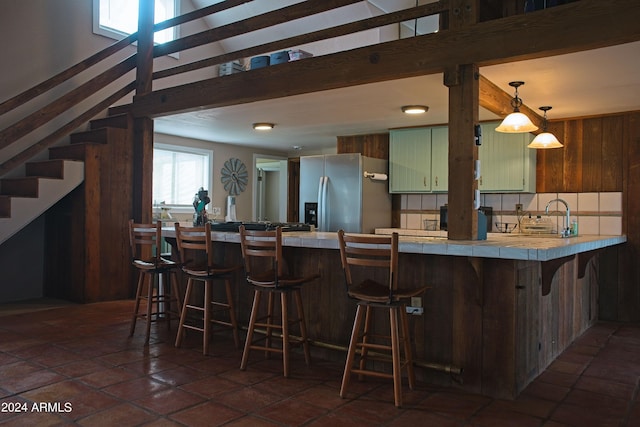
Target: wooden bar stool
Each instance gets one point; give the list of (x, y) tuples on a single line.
[(163, 294), (377, 258), (194, 243), (266, 271)]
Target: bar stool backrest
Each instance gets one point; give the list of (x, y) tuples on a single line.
[(194, 239), (370, 251), (267, 246), (145, 241)]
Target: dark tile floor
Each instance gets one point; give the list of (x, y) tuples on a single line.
[(76, 365)]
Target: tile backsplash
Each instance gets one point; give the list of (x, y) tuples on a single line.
[(595, 213)]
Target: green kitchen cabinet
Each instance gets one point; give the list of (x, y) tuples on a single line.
[(419, 161), (506, 163), (410, 160), (439, 159)]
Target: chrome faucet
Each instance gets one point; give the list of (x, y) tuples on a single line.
[(566, 231)]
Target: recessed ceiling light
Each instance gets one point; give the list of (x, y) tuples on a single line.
[(263, 126), (415, 109)]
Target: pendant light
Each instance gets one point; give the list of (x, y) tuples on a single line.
[(545, 139), (516, 122)]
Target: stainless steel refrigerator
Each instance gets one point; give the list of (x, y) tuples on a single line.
[(334, 193)]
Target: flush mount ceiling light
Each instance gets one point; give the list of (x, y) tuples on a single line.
[(516, 122), (263, 126), (415, 109), (545, 139)]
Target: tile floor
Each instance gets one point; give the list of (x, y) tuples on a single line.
[(79, 367)]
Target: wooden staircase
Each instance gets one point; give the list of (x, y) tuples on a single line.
[(84, 192), (23, 199)]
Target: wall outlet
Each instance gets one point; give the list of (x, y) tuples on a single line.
[(416, 302), (216, 211), (415, 310), (518, 207)]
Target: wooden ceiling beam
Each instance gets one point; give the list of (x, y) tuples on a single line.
[(555, 31)]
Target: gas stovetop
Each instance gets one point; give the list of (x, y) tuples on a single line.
[(235, 226)]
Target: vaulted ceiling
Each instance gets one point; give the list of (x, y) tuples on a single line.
[(587, 83)]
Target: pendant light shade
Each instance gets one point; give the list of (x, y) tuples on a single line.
[(545, 139), (516, 122)]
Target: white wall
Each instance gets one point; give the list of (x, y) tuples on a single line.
[(44, 37), (222, 153)]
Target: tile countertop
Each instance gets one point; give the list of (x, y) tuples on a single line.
[(497, 245)]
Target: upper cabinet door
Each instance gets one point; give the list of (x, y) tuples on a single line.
[(410, 160), (439, 159), (505, 161)]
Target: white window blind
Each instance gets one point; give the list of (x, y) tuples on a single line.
[(178, 173)]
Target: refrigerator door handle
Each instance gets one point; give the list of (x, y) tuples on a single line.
[(324, 215), (320, 212)]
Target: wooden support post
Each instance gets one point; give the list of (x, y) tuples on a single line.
[(143, 126), (144, 77), (463, 152)]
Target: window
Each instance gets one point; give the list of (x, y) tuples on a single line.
[(119, 18), (178, 173)]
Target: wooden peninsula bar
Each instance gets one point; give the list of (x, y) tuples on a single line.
[(497, 313)]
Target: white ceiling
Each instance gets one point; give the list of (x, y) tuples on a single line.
[(581, 84)]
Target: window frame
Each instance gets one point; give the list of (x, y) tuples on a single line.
[(179, 208), (116, 34)]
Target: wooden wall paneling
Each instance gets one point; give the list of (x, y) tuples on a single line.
[(572, 173), (592, 154), (116, 209), (612, 154), (550, 163), (93, 167), (528, 325), (549, 325), (432, 331), (467, 307), (499, 328), (566, 306), (608, 302), (373, 145)]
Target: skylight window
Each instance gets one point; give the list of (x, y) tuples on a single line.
[(119, 18)]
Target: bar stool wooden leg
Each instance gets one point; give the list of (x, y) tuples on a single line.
[(137, 305), (407, 346), (207, 317), (183, 314), (252, 325), (395, 354), (175, 294), (303, 326), (232, 313), (149, 306), (366, 335), (269, 322), (285, 332), (163, 298), (351, 353)]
